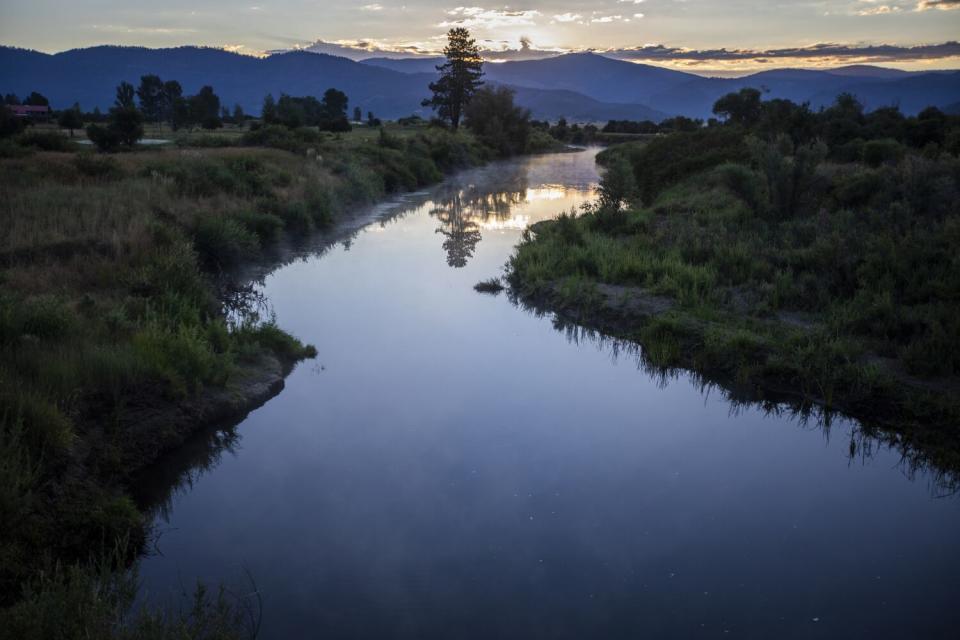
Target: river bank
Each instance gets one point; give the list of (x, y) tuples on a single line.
[(115, 339), (788, 269)]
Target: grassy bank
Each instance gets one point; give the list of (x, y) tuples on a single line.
[(797, 255), (113, 343)]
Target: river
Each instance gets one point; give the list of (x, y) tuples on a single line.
[(454, 466)]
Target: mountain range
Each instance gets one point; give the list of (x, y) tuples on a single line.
[(578, 86)]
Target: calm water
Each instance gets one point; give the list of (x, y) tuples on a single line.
[(452, 466)]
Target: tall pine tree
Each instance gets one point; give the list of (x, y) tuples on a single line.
[(459, 77)]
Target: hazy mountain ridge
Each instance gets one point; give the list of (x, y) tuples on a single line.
[(579, 86), (89, 76), (676, 92)]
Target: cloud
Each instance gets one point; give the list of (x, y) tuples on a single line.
[(824, 54), (568, 17), (878, 10), (943, 5), (372, 7), (480, 18), (825, 51)]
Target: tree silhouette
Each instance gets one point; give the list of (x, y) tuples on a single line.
[(459, 77), (71, 119), (151, 96)]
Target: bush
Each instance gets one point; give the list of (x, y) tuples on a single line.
[(94, 166), (265, 225), (223, 242), (280, 137), (886, 151), (104, 138), (46, 140)]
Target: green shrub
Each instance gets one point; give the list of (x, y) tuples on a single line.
[(46, 140), (265, 225), (94, 166), (223, 242), (879, 152)]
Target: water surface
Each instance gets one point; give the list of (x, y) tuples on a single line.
[(452, 466)]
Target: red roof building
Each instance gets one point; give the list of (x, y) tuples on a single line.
[(29, 110)]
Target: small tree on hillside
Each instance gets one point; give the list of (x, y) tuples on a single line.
[(459, 77), (71, 119)]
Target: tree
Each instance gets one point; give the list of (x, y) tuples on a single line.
[(238, 116), (205, 108), (269, 111), (372, 121), (334, 111), (743, 107), (459, 77), (124, 126), (9, 123), (125, 93), (172, 92), (36, 99), (11, 99), (560, 131), (127, 124), (71, 119), (357, 114), (617, 185), (152, 97), (180, 113), (497, 121)]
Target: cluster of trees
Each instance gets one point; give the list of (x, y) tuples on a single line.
[(849, 131), (34, 99), (328, 113), (677, 123), (124, 124), (488, 112), (565, 132), (163, 102)]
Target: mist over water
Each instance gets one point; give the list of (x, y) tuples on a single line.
[(454, 466)]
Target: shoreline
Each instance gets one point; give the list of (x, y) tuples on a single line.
[(909, 418)]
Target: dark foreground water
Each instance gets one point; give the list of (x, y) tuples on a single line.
[(452, 466)]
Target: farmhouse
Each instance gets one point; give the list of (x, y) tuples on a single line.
[(34, 112)]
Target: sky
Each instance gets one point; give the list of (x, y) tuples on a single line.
[(710, 36)]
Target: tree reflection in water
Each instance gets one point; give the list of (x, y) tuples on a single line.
[(462, 209)]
